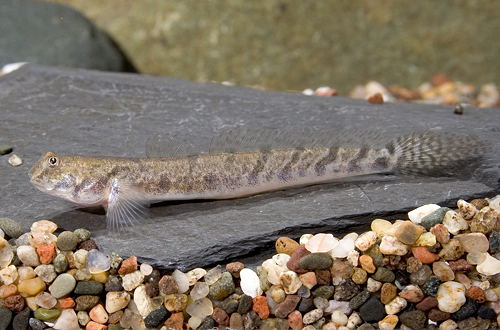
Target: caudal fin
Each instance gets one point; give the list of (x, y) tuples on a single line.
[(437, 153)]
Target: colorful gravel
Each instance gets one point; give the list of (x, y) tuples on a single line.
[(438, 269)]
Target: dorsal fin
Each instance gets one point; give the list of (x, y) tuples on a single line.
[(167, 146), (246, 140)]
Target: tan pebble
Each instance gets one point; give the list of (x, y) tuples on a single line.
[(290, 282), (448, 325), (412, 293), (452, 250), (479, 203), (388, 323), (485, 220), (388, 292), (380, 226), (413, 264), (286, 245), (441, 232), (359, 276), (31, 287), (373, 285), (15, 160), (278, 294), (454, 222), (473, 242), (366, 263), (464, 280), (408, 232), (443, 271)]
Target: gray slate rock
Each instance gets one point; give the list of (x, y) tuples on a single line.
[(95, 113), (54, 34)]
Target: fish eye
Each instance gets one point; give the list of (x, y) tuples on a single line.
[(53, 161)]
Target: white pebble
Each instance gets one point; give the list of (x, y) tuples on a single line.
[(200, 308), (450, 296), (312, 316), (339, 317), (366, 240), (396, 305), (490, 295), (273, 271), (354, 321), (15, 160), (132, 280), (454, 222), (342, 306), (417, 214), (343, 248), (6, 255), (28, 255), (182, 280), (195, 275), (9, 275), (199, 290), (305, 238), (290, 281), (353, 257), (494, 202), (321, 243), (391, 245), (80, 258), (97, 262), (490, 266), (213, 275), (67, 320), (281, 259), (116, 300), (143, 302), (373, 285), (250, 283)]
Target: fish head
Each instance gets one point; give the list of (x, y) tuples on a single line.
[(69, 178)]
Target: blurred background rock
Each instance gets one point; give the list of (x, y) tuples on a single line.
[(289, 45)]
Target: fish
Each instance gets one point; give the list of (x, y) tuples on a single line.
[(241, 163)]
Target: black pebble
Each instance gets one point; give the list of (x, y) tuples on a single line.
[(494, 241), (244, 304), (414, 319), (486, 313), (36, 324), (156, 317), (306, 305), (88, 287), (207, 324), (402, 279), (21, 320), (372, 310), (153, 278), (431, 286), (114, 283), (359, 299), (467, 310), (5, 317)]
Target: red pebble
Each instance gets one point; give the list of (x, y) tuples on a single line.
[(441, 232), (424, 255), (293, 263), (295, 320), (376, 98), (128, 266), (259, 306), (440, 79), (220, 316), (47, 253), (476, 293), (427, 303), (437, 316), (175, 321)]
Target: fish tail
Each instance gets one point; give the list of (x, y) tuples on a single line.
[(436, 153)]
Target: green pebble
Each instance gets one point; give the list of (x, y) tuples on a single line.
[(264, 283), (384, 275), (60, 263), (324, 291), (5, 149), (83, 234), (45, 314), (11, 227), (222, 288), (432, 219), (315, 261), (376, 255), (67, 241)]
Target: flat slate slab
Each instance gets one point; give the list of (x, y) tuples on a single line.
[(73, 111)]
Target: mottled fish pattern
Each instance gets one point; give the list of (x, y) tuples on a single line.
[(126, 186)]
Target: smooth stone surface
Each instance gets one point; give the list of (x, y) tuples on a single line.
[(11, 228), (79, 42), (5, 317), (62, 285), (114, 114)]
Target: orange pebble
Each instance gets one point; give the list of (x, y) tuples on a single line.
[(67, 303), (175, 321), (376, 98), (95, 326), (424, 255), (259, 306), (47, 253)]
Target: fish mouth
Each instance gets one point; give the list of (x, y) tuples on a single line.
[(41, 186)]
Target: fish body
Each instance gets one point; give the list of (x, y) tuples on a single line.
[(126, 186)]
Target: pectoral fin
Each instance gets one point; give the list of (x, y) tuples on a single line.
[(124, 208)]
